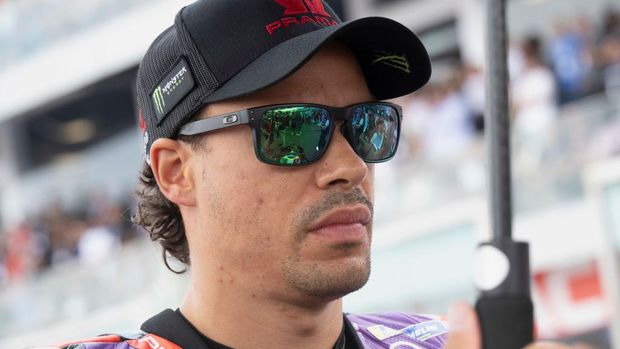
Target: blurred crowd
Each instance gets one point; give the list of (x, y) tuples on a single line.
[(578, 59), (444, 123), (30, 26), (88, 234)]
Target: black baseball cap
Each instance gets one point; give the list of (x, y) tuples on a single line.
[(219, 49)]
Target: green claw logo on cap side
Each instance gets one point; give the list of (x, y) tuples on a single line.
[(158, 100), (399, 62)]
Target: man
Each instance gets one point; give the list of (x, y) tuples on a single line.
[(262, 125)]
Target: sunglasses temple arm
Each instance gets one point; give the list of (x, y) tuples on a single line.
[(215, 123), (244, 117)]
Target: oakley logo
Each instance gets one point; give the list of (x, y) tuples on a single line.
[(231, 119), (298, 12)]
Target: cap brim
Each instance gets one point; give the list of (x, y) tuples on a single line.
[(392, 58)]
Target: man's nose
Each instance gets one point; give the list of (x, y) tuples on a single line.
[(340, 165)]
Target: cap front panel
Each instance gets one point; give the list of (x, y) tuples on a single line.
[(230, 37)]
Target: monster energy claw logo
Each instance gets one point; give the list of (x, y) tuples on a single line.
[(158, 99), (172, 89), (399, 62)]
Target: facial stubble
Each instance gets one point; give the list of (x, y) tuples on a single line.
[(321, 279)]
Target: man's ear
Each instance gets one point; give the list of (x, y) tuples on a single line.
[(170, 161)]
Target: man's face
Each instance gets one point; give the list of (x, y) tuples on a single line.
[(298, 233)]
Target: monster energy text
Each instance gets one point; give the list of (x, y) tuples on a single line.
[(165, 90)]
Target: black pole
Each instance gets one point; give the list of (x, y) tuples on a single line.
[(504, 303), (498, 127)]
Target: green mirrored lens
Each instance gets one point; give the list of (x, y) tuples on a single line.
[(293, 135), (374, 132)]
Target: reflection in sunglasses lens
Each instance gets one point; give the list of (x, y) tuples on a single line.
[(298, 135), (293, 135), (374, 132)]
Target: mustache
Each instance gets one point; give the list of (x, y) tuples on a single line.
[(332, 200)]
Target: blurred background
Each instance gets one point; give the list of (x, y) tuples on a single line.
[(72, 265)]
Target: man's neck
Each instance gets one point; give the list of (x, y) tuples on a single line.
[(240, 320)]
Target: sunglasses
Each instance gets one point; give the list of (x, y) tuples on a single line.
[(299, 134)]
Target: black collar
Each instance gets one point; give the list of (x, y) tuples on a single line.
[(173, 326)]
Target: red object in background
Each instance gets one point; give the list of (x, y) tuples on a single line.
[(17, 252), (585, 284), (570, 301)]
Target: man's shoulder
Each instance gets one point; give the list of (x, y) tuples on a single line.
[(138, 341), (400, 329)]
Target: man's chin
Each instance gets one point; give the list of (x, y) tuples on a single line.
[(328, 280)]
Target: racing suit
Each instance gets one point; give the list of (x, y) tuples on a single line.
[(391, 330)]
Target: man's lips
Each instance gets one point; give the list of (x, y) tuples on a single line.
[(343, 224)]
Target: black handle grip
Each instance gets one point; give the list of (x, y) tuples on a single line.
[(507, 323), (504, 304)]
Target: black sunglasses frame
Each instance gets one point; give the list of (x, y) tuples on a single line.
[(252, 118)]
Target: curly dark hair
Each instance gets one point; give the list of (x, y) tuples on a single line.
[(160, 217)]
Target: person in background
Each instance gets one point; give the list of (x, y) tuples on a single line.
[(568, 57), (535, 109), (609, 55)]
